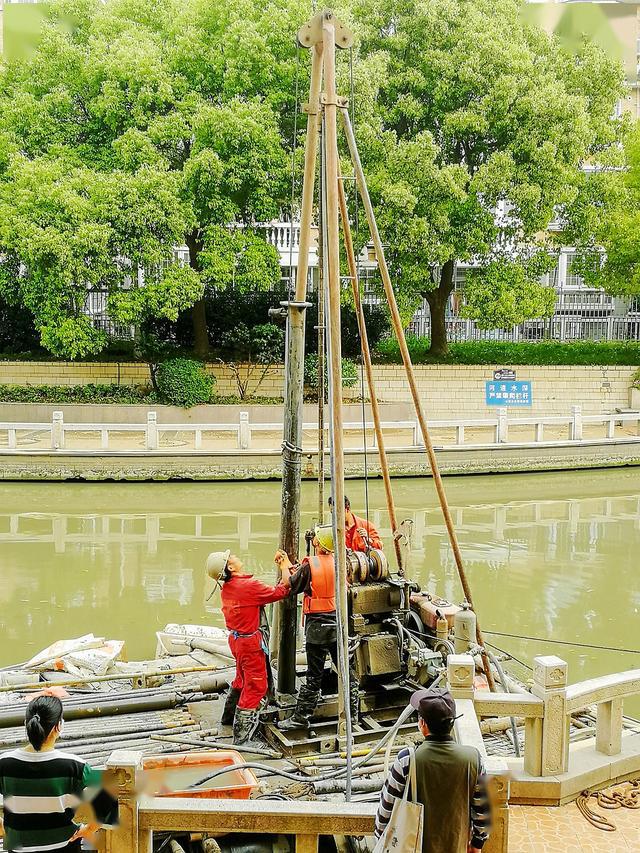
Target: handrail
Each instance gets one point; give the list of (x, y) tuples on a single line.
[(597, 690), (243, 429), (507, 705), (297, 817)]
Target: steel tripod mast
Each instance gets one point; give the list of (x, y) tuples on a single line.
[(323, 34)]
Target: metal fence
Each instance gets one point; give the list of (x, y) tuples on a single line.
[(559, 328)]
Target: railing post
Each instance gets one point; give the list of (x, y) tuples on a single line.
[(152, 431), (125, 768), (244, 433), (498, 791), (307, 843), (611, 427), (576, 426), (57, 431), (461, 670), (550, 685), (503, 427), (540, 431), (460, 434), (609, 727), (12, 441)]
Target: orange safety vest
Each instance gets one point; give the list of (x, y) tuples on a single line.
[(323, 585)]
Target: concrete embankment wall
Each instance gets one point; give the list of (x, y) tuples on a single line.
[(448, 391), (262, 465)]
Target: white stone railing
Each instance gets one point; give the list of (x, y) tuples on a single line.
[(140, 818), (547, 713), (241, 433)]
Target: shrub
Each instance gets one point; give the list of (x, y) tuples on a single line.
[(74, 394), (349, 372), (183, 382), (250, 352), (505, 352)]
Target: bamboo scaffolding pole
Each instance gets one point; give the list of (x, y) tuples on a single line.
[(366, 356), (406, 358), (332, 249)]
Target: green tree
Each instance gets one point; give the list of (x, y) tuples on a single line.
[(502, 293), (474, 144), (142, 126), (610, 204)]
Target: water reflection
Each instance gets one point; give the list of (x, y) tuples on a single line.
[(550, 556)]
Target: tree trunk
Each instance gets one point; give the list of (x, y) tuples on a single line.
[(199, 310), (438, 300)]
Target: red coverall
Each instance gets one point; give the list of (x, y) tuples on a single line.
[(354, 540), (242, 599)]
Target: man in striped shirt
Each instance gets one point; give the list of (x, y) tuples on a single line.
[(450, 781)]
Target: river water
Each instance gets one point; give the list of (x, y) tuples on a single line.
[(552, 556)]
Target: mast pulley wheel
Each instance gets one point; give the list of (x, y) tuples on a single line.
[(379, 565)]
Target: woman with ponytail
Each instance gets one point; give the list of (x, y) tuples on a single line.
[(42, 787)]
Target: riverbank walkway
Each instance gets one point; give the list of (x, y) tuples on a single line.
[(244, 449), (541, 829)]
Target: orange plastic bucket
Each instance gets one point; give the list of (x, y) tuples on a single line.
[(172, 775)]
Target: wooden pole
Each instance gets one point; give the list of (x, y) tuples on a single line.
[(285, 627), (366, 355), (332, 249), (310, 157), (406, 358), (321, 334)]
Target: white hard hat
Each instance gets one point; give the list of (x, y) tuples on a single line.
[(217, 563)]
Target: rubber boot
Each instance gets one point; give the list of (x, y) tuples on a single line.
[(245, 725), (305, 706), (230, 705), (296, 721)]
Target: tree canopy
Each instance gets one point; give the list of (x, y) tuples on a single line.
[(142, 126), (610, 203), (480, 127)]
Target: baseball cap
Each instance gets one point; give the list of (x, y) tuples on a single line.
[(436, 706)]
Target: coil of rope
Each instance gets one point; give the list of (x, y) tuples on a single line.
[(626, 795)]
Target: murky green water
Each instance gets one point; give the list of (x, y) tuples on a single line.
[(553, 556)]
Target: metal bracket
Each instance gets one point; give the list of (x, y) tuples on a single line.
[(340, 101), (301, 306), (311, 32)]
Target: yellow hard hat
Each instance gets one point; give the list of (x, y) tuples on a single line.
[(217, 563), (324, 535)]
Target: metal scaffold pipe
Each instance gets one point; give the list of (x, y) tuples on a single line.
[(332, 249), (406, 358)]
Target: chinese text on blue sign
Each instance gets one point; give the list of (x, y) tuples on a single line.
[(508, 393)]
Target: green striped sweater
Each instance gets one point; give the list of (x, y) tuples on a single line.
[(41, 791)]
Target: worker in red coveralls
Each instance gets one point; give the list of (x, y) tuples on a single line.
[(360, 534), (243, 600)]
